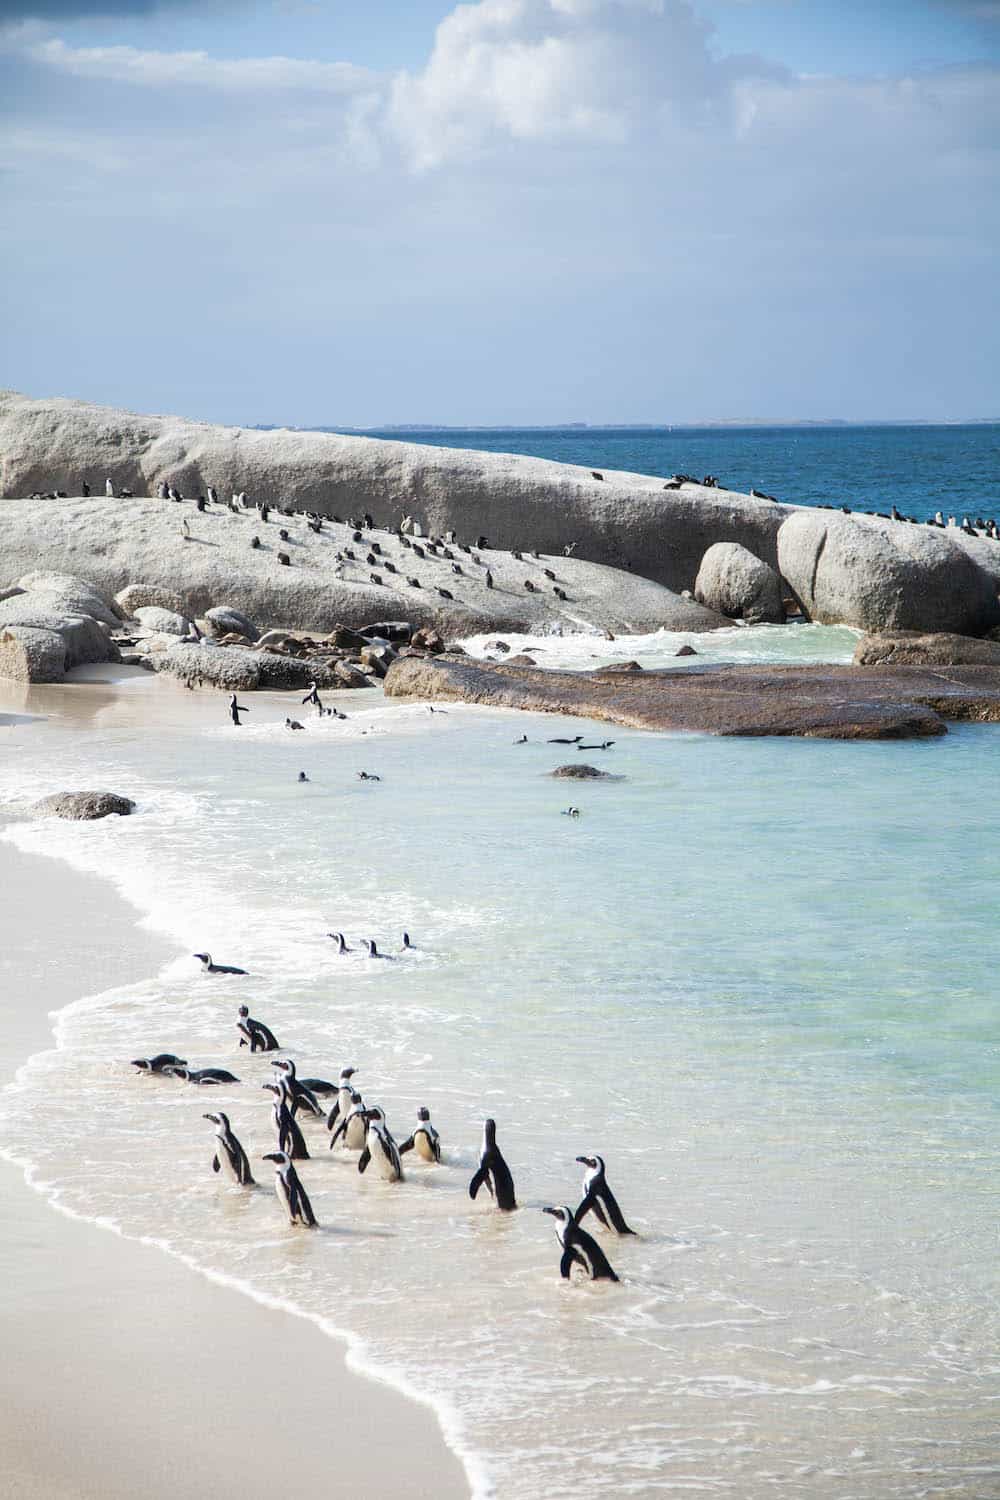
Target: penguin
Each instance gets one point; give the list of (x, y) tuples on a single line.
[(213, 494), (445, 594), (373, 950), (290, 1137), (522, 741), (313, 696), (424, 1140), (200, 503), (159, 1063), (351, 1125), (342, 1103), (338, 938), (380, 1149), (301, 1095), (494, 1171), (549, 574), (255, 541), (417, 549), (210, 968), (292, 724), (599, 1198), (186, 529), (201, 1075), (284, 559), (579, 1248), (289, 1190), (85, 489), (530, 586), (574, 741), (303, 776), (489, 579), (230, 1156), (569, 549), (595, 474), (319, 1086), (368, 776), (517, 557), (174, 494), (407, 947), (560, 593), (109, 489), (235, 709), (254, 1034), (604, 745), (571, 812)]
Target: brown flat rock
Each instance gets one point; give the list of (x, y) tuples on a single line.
[(939, 649), (829, 702)]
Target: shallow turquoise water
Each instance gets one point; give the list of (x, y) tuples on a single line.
[(758, 976)]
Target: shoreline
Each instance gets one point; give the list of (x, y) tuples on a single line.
[(82, 1307)]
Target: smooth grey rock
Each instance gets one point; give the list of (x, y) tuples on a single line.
[(222, 619), (238, 670), (884, 576), (148, 596), (348, 676), (378, 658), (31, 655), (734, 582), (273, 638), (70, 595), (163, 621), (86, 639), (84, 806)]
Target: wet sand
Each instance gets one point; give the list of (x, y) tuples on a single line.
[(125, 1373)]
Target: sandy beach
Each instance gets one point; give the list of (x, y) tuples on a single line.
[(125, 1372)]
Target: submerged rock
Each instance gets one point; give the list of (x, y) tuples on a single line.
[(84, 806), (576, 772)]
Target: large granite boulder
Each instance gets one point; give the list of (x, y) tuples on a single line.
[(84, 806), (86, 640), (627, 521), (147, 596), (734, 582), (31, 655), (909, 648), (883, 575), (163, 621), (223, 619), (67, 595), (237, 669)]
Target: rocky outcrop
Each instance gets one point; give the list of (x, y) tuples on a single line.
[(31, 655), (734, 582), (584, 773), (829, 702), (84, 806), (236, 669), (163, 621), (884, 576), (627, 521), (224, 620), (147, 596), (65, 594), (909, 648), (85, 639)]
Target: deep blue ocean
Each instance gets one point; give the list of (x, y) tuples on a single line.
[(919, 469)]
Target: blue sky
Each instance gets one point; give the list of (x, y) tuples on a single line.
[(503, 211)]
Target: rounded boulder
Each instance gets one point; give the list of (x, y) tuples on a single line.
[(734, 582)]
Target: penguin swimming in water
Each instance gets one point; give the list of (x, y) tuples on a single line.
[(574, 741), (342, 1104), (230, 1157), (407, 947), (293, 724), (289, 1190), (212, 968), (373, 950), (290, 1137), (494, 1171), (319, 1086), (201, 1075), (352, 1125), (380, 1149), (254, 1034), (424, 1140), (598, 1197), (235, 709), (159, 1063), (578, 1247), (339, 939), (301, 1095), (303, 776)]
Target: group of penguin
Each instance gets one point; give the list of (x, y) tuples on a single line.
[(363, 1128)]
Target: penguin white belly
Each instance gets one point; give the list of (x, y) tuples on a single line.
[(383, 1163), (225, 1164), (281, 1193), (354, 1135), (424, 1146)]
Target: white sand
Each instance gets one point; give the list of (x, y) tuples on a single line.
[(124, 1373)]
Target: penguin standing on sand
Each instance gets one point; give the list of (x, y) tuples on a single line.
[(494, 1171), (598, 1197), (85, 489), (380, 1149), (254, 1034), (230, 1157), (342, 1104), (313, 697), (289, 1190), (235, 709), (578, 1247), (290, 1137), (425, 1139), (109, 489)]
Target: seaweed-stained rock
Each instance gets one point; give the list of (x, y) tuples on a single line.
[(909, 648), (734, 582)]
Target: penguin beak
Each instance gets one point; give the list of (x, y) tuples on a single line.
[(586, 1161), (553, 1211), (214, 1118)]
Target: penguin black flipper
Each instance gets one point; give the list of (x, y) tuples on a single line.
[(302, 1208), (478, 1181), (339, 1130), (570, 1255), (406, 1145), (364, 1159), (215, 1164), (331, 1118), (614, 1212), (591, 1203), (503, 1182)]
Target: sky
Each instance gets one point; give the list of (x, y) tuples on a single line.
[(364, 212)]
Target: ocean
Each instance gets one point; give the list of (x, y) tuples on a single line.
[(919, 469), (758, 976)]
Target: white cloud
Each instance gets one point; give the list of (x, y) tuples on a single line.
[(164, 69)]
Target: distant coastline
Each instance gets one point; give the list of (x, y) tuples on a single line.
[(749, 424)]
